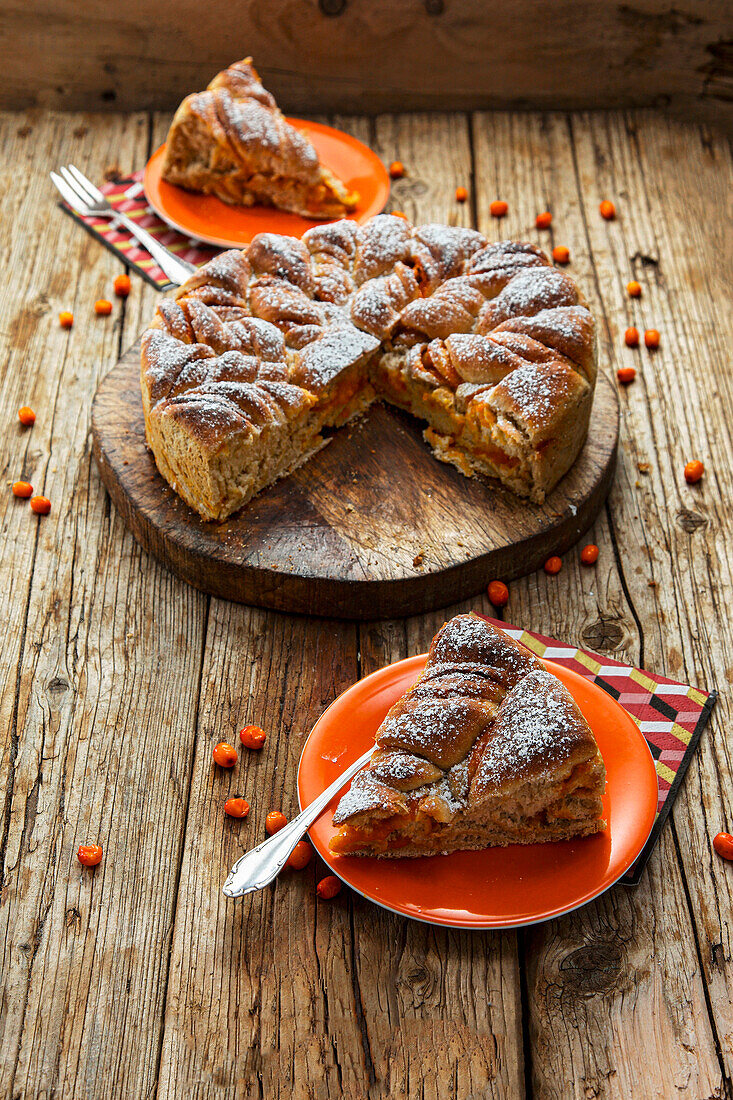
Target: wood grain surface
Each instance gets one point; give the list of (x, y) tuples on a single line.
[(371, 526), (138, 979)]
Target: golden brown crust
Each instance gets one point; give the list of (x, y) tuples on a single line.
[(487, 744), (233, 141)]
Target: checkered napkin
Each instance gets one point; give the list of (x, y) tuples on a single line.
[(127, 195), (671, 716)]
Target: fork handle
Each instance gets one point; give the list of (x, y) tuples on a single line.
[(255, 869), (178, 271)]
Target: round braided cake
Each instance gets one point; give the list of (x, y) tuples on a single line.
[(266, 347)]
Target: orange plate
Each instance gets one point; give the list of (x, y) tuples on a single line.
[(496, 887), (209, 219)]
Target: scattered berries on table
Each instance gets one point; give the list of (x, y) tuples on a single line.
[(544, 220), (631, 337), (22, 489), (561, 254), (498, 593), (498, 208), (252, 737), (122, 286), (66, 318), (236, 807), (300, 856), (626, 375), (275, 821), (396, 169), (40, 505), (26, 416), (651, 338), (723, 844), (461, 194), (90, 854), (329, 887), (224, 755), (589, 554), (633, 289), (608, 210), (102, 307), (553, 565), (694, 471)]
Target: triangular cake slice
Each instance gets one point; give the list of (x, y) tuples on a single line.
[(233, 141), (486, 749)]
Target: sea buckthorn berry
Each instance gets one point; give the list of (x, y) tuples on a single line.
[(553, 565), (90, 854), (22, 489), (329, 887), (544, 220), (498, 593), (631, 337), (252, 737), (498, 208), (633, 289), (626, 375), (66, 318), (103, 307), (561, 254), (396, 169), (694, 471), (224, 755), (40, 505), (300, 856), (26, 416), (589, 554), (122, 286), (723, 844), (461, 194), (608, 210), (236, 807), (399, 214), (651, 338), (275, 821)]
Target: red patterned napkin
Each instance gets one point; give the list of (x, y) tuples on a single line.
[(671, 716), (127, 195)]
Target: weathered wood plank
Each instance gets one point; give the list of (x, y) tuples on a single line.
[(95, 753)]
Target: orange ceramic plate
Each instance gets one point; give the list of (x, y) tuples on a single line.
[(209, 219), (497, 887)]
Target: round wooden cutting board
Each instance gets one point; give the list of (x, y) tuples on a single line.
[(370, 527)]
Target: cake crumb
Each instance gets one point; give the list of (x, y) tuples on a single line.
[(418, 559)]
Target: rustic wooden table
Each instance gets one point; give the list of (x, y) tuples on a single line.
[(140, 979)]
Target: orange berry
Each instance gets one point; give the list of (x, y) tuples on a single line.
[(26, 416), (252, 737), (66, 318), (399, 214), (236, 807), (553, 565), (561, 254), (22, 489), (543, 221), (498, 593), (224, 755), (589, 554), (329, 887), (694, 471), (300, 856), (396, 169), (633, 289), (103, 307), (608, 210), (40, 505), (651, 338), (275, 821), (90, 854), (631, 337), (723, 844), (461, 194), (626, 375), (498, 208), (122, 286)]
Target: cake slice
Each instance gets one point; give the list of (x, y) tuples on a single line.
[(486, 749), (233, 141)]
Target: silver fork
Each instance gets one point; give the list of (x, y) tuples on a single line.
[(86, 199)]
